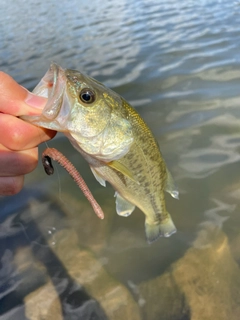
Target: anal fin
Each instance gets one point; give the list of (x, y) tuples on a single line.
[(123, 207)]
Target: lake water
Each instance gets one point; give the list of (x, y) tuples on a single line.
[(178, 63)]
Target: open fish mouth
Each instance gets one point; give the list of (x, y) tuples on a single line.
[(52, 86)]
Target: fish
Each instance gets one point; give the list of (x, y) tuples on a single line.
[(115, 141)]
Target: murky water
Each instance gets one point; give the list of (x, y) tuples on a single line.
[(178, 63)]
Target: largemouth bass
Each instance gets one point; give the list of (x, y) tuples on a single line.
[(114, 140)]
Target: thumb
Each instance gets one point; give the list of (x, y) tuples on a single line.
[(16, 100)]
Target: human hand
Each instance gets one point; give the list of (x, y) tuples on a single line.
[(18, 139)]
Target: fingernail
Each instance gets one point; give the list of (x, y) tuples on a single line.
[(35, 101)]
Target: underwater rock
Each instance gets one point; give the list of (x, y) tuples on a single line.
[(92, 232), (71, 282), (114, 298), (40, 297), (55, 277), (235, 248), (203, 285), (43, 304)]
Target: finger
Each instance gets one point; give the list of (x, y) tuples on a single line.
[(16, 100), (11, 185), (14, 163), (16, 134)]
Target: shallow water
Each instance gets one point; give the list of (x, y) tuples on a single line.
[(178, 63)]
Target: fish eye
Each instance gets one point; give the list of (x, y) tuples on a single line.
[(87, 95)]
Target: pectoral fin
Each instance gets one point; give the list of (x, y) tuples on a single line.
[(171, 187), (98, 178), (122, 169), (123, 207)]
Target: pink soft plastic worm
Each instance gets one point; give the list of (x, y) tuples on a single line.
[(52, 153)]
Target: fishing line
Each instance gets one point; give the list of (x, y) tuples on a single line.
[(53, 243)]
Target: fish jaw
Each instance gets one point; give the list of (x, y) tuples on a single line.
[(57, 109)]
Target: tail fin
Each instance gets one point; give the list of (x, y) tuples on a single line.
[(154, 231)]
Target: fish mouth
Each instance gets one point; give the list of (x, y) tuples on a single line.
[(52, 87)]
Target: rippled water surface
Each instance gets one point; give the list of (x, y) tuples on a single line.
[(178, 63)]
